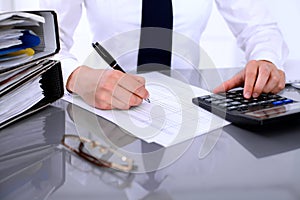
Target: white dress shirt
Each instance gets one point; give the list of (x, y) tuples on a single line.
[(116, 25)]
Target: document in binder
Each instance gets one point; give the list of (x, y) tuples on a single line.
[(29, 81)]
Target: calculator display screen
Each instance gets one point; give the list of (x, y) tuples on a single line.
[(275, 111)]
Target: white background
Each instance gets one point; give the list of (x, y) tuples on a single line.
[(217, 40)]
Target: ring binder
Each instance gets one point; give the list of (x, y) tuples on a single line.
[(27, 73)]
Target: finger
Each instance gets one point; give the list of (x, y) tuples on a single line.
[(139, 79), (103, 105), (251, 72), (117, 89), (264, 73), (235, 81), (132, 85), (105, 101), (108, 80), (276, 82), (270, 85), (273, 79), (281, 84), (127, 97), (117, 104), (143, 82)]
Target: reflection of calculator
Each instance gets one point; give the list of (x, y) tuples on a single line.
[(267, 108)]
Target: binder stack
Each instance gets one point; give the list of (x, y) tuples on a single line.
[(28, 80)]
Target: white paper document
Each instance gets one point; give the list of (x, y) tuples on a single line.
[(21, 18), (20, 99), (170, 118)]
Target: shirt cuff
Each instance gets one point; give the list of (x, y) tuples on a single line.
[(275, 52), (268, 57), (68, 66)]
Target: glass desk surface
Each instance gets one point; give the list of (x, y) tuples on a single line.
[(228, 163)]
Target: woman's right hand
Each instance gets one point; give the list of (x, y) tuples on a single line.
[(107, 89)]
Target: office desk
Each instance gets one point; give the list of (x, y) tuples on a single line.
[(229, 163)]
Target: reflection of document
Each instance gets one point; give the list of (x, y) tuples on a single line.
[(170, 118)]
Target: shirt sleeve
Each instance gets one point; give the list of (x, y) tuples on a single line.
[(256, 31), (68, 13)]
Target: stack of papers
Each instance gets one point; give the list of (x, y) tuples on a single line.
[(17, 43), (170, 118), (20, 19), (22, 98), (17, 38)]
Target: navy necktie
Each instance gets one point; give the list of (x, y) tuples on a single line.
[(156, 35)]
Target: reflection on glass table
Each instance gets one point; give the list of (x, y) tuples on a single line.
[(271, 140), (108, 176), (31, 165), (97, 153)]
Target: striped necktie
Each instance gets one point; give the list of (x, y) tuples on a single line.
[(156, 36)]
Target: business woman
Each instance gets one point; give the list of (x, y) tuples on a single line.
[(256, 33)]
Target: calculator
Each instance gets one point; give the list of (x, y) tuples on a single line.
[(266, 109)]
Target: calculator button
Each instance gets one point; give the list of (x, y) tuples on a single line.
[(231, 96), (271, 100), (209, 100), (263, 98), (227, 100), (235, 103), (224, 105), (277, 103), (217, 102), (281, 98), (253, 104), (238, 98), (230, 108), (245, 101), (216, 96), (243, 107), (288, 101), (263, 95), (264, 103), (274, 96), (204, 97), (222, 94), (232, 92)]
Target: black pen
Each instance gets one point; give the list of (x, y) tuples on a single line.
[(109, 59)]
